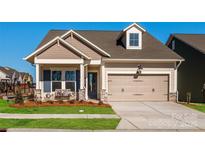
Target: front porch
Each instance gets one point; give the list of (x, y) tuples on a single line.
[(83, 80)]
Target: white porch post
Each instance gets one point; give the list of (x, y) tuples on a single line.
[(102, 72), (86, 82), (81, 76), (37, 76), (102, 83)]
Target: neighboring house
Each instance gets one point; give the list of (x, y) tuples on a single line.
[(127, 65), (191, 76), (4, 75), (9, 74)]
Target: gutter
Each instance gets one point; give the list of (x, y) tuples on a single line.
[(141, 60)]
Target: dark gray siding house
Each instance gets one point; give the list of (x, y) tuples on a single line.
[(191, 73)]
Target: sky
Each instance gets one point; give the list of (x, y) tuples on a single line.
[(17, 40)]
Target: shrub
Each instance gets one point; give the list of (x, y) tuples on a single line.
[(100, 103), (72, 102), (19, 98), (31, 97)]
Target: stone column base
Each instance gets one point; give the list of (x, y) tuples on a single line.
[(103, 95), (81, 94), (173, 97)]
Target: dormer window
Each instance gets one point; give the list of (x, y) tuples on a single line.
[(134, 39), (133, 35)]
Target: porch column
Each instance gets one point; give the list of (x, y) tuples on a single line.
[(82, 83), (86, 82), (102, 83), (81, 76), (37, 76), (102, 72)]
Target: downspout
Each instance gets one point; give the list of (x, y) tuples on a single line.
[(179, 64), (176, 68)]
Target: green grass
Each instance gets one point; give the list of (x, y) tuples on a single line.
[(77, 124), (5, 108), (197, 106)]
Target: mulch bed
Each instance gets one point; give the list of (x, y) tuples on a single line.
[(58, 103)]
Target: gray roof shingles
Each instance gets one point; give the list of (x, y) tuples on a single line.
[(197, 41), (107, 40)]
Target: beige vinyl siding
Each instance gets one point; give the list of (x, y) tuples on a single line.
[(143, 64), (144, 88), (83, 48), (58, 52)]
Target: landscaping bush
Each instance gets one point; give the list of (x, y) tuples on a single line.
[(19, 98), (100, 103), (31, 97)]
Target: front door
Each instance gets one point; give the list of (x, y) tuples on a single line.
[(92, 85)]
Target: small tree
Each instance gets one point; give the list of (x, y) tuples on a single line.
[(19, 98)]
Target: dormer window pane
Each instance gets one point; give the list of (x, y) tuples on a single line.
[(134, 39)]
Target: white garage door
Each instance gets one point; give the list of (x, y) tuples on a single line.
[(144, 88)]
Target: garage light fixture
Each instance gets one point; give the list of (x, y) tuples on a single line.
[(139, 71)]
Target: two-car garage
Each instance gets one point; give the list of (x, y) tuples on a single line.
[(128, 87)]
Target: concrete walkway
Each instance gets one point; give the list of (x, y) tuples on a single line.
[(157, 116), (62, 116)]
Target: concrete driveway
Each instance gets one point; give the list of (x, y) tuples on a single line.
[(157, 116)]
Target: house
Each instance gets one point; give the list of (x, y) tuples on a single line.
[(127, 65), (191, 74), (9, 74)]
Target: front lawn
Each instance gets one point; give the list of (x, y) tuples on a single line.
[(5, 108), (197, 106), (77, 124)]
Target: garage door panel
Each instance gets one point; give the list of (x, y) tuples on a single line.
[(144, 88)]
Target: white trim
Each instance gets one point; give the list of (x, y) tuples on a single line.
[(141, 60), (102, 76), (169, 72), (52, 41), (134, 24), (93, 62), (134, 31), (86, 82), (143, 72), (37, 76), (58, 61), (84, 39), (35, 52), (82, 73)]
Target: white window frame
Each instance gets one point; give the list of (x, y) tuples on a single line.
[(56, 81), (63, 81), (134, 30), (70, 80), (133, 39)]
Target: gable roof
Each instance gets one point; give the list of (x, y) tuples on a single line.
[(53, 41), (85, 40), (108, 41), (196, 41), (134, 25), (9, 72)]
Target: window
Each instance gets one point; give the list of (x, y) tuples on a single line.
[(47, 80), (56, 75), (56, 80), (70, 85), (70, 80), (70, 75), (134, 39), (173, 45), (56, 85)]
